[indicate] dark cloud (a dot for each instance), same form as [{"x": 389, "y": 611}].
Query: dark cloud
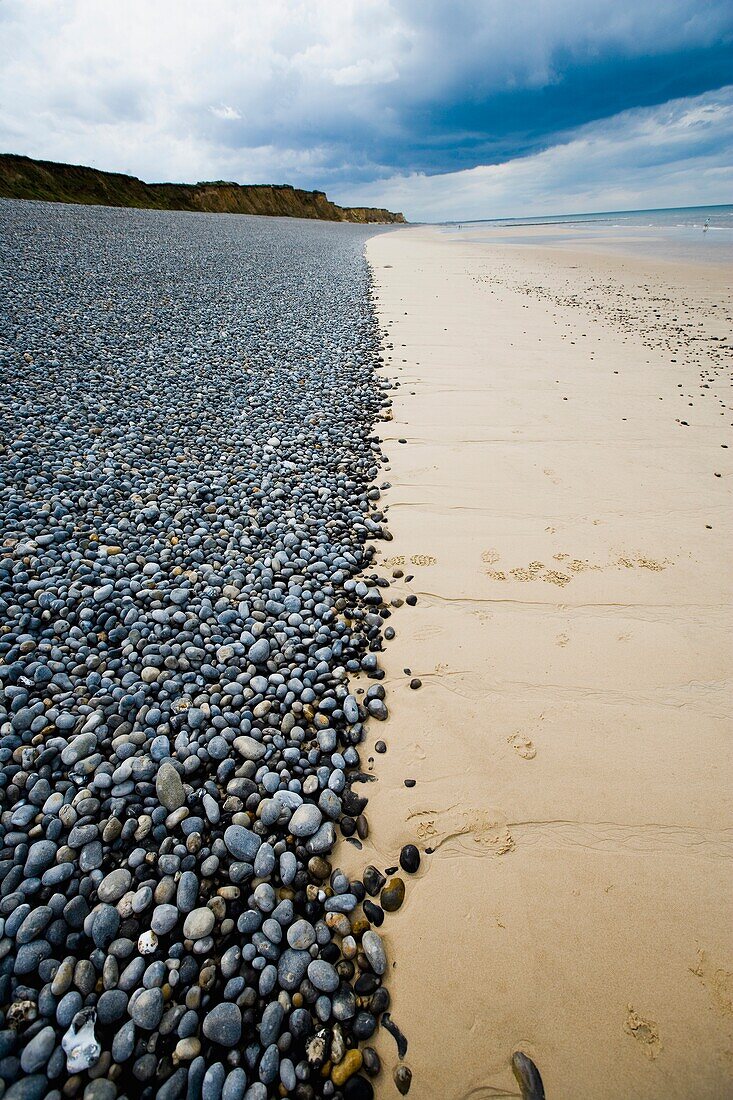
[{"x": 338, "y": 93}]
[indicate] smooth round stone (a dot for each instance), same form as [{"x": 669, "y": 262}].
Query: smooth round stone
[
  {"x": 259, "y": 652},
  {"x": 269, "y": 1065},
  {"x": 249, "y": 748},
  {"x": 187, "y": 892},
  {"x": 164, "y": 918},
  {"x": 364, "y": 1026},
  {"x": 392, "y": 895},
  {"x": 372, "y": 1062},
  {"x": 111, "y": 1006},
  {"x": 306, "y": 820},
  {"x": 358, "y": 1088},
  {"x": 410, "y": 859},
  {"x": 147, "y": 1009},
  {"x": 114, "y": 885},
  {"x": 373, "y": 880},
  {"x": 271, "y": 1023},
  {"x": 100, "y": 1089},
  {"x": 33, "y": 1087},
  {"x": 213, "y": 1082},
  {"x": 373, "y": 948},
  {"x": 403, "y": 1078},
  {"x": 291, "y": 968},
  {"x": 288, "y": 868},
  {"x": 349, "y": 1065},
  {"x": 323, "y": 976},
  {"x": 373, "y": 913},
  {"x": 242, "y": 843},
  {"x": 37, "y": 1052},
  {"x": 169, "y": 787},
  {"x": 301, "y": 935},
  {"x": 264, "y": 861},
  {"x": 199, "y": 923},
  {"x": 351, "y": 709},
  {"x": 223, "y": 1024}
]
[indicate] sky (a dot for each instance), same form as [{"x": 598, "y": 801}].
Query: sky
[{"x": 445, "y": 109}]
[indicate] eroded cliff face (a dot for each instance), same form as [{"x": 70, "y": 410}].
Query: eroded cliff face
[{"x": 24, "y": 178}]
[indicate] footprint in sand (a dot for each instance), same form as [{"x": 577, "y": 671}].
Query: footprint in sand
[
  {"x": 640, "y": 562},
  {"x": 399, "y": 559},
  {"x": 552, "y": 576},
  {"x": 562, "y": 639},
  {"x": 522, "y": 746},
  {"x": 481, "y": 832},
  {"x": 717, "y": 981},
  {"x": 644, "y": 1031},
  {"x": 490, "y": 557},
  {"x": 423, "y": 559}
]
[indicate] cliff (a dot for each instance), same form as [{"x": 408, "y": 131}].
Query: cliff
[{"x": 24, "y": 178}]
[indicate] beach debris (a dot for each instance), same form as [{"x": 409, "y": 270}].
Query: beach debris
[
  {"x": 80, "y": 1044},
  {"x": 399, "y": 1038},
  {"x": 528, "y": 1076}
]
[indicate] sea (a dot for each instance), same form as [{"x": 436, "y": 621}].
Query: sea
[{"x": 695, "y": 233}]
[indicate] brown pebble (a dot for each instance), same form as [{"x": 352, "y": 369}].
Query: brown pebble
[
  {"x": 403, "y": 1079},
  {"x": 393, "y": 895}
]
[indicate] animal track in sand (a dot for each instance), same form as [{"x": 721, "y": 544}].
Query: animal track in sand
[
  {"x": 562, "y": 639},
  {"x": 522, "y": 746},
  {"x": 490, "y": 557},
  {"x": 398, "y": 559},
  {"x": 423, "y": 559},
  {"x": 481, "y": 832},
  {"x": 644, "y": 1031}
]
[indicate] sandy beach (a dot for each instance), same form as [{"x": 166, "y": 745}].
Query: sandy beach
[{"x": 560, "y": 505}]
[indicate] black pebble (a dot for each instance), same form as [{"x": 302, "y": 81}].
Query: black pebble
[
  {"x": 373, "y": 913},
  {"x": 410, "y": 859}
]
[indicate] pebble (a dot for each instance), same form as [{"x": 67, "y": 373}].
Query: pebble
[
  {"x": 223, "y": 1024},
  {"x": 169, "y": 787},
  {"x": 409, "y": 859},
  {"x": 403, "y": 1079},
  {"x": 188, "y": 593},
  {"x": 373, "y": 947},
  {"x": 373, "y": 880},
  {"x": 392, "y": 895}
]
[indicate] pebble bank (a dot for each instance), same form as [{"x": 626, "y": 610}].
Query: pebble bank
[{"x": 189, "y": 649}]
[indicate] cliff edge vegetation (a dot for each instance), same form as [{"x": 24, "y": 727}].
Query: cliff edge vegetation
[{"x": 45, "y": 180}]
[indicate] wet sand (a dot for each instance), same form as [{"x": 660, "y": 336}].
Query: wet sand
[{"x": 563, "y": 502}]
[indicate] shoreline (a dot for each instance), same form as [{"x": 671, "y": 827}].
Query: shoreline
[{"x": 557, "y": 504}]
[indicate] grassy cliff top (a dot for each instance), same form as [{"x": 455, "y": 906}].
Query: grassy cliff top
[{"x": 45, "y": 180}]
